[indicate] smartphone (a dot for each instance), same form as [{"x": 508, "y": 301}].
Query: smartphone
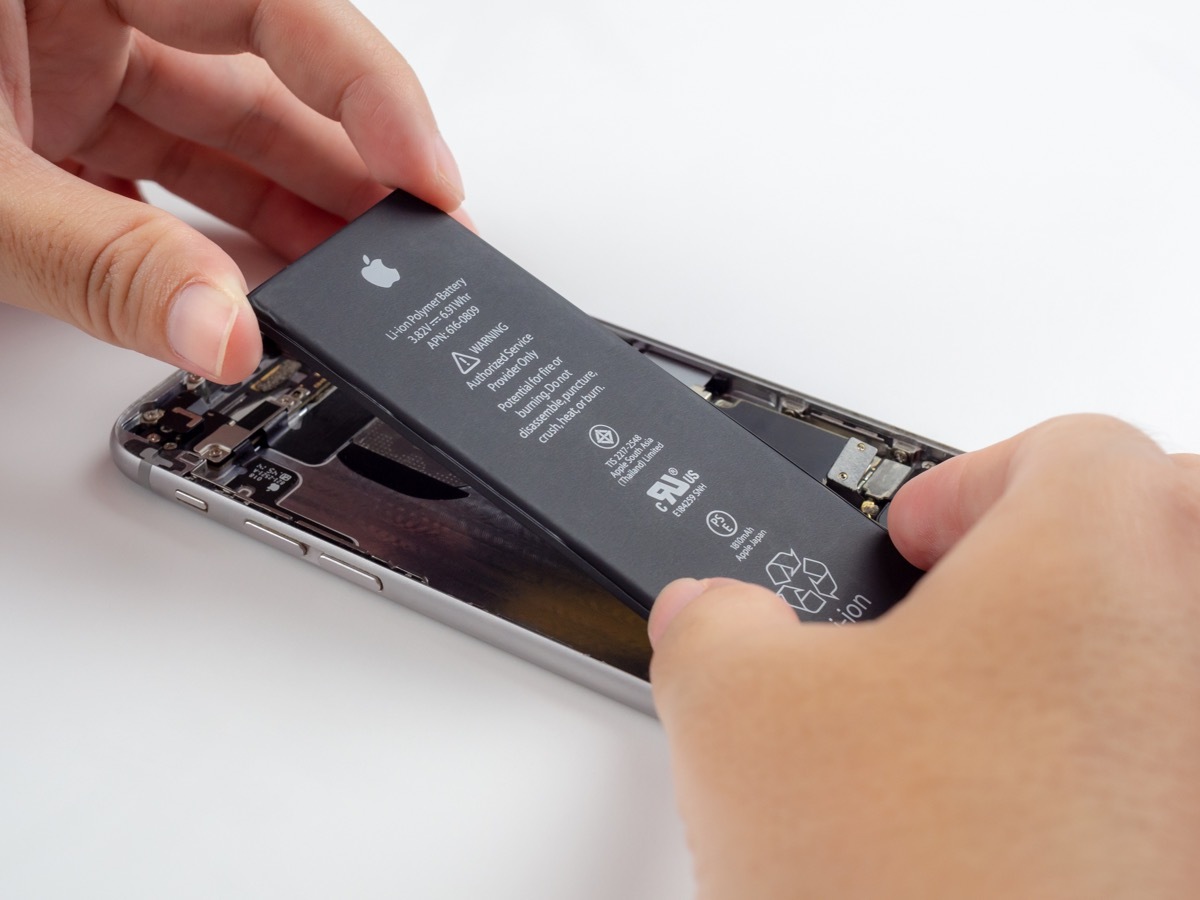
[{"x": 288, "y": 460}]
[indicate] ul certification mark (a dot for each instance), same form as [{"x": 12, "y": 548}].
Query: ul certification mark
[
  {"x": 604, "y": 436},
  {"x": 721, "y": 523},
  {"x": 804, "y": 583}
]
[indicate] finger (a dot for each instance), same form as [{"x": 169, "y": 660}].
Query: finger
[
  {"x": 16, "y": 108},
  {"x": 695, "y": 626},
  {"x": 334, "y": 60},
  {"x": 1189, "y": 462},
  {"x": 130, "y": 148},
  {"x": 930, "y": 513},
  {"x": 121, "y": 270},
  {"x": 933, "y": 512},
  {"x": 237, "y": 105},
  {"x": 463, "y": 218},
  {"x": 734, "y": 673}
]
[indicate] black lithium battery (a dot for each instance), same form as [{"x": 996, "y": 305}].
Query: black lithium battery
[{"x": 563, "y": 424}]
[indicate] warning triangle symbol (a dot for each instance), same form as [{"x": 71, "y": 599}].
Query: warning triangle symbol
[{"x": 464, "y": 362}]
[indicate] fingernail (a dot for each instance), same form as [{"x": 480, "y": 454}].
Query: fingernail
[
  {"x": 447, "y": 168},
  {"x": 199, "y": 325},
  {"x": 671, "y": 601}
]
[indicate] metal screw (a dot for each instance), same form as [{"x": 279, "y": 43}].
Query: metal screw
[
  {"x": 861, "y": 446},
  {"x": 927, "y": 465},
  {"x": 153, "y": 438},
  {"x": 151, "y": 416},
  {"x": 843, "y": 476},
  {"x": 901, "y": 456}
]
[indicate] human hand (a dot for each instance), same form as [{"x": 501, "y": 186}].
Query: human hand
[
  {"x": 1025, "y": 724},
  {"x": 299, "y": 131}
]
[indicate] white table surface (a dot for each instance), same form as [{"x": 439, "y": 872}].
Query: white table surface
[{"x": 961, "y": 218}]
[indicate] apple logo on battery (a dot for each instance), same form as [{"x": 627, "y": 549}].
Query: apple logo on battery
[{"x": 378, "y": 274}]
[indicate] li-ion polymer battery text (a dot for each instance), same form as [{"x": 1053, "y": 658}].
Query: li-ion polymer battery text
[{"x": 563, "y": 424}]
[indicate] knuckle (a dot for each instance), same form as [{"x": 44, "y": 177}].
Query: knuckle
[
  {"x": 1079, "y": 454},
  {"x": 177, "y": 161},
  {"x": 1091, "y": 427},
  {"x": 354, "y": 93},
  {"x": 1184, "y": 493},
  {"x": 261, "y": 206},
  {"x": 257, "y": 129},
  {"x": 259, "y": 24}
]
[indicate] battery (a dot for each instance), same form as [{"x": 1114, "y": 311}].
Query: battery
[{"x": 563, "y": 424}]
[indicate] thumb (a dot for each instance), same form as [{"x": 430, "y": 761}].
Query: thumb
[
  {"x": 702, "y": 633},
  {"x": 935, "y": 511},
  {"x": 734, "y": 673},
  {"x": 121, "y": 271}
]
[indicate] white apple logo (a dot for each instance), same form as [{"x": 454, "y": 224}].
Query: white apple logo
[{"x": 378, "y": 274}]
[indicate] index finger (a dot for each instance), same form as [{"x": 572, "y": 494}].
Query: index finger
[
  {"x": 331, "y": 57},
  {"x": 16, "y": 110},
  {"x": 934, "y": 511}
]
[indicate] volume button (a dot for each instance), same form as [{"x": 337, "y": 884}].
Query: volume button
[
  {"x": 350, "y": 573},
  {"x": 273, "y": 538}
]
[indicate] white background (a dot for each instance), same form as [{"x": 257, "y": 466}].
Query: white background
[{"x": 960, "y": 218}]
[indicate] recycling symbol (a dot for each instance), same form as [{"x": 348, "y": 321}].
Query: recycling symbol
[{"x": 804, "y": 583}]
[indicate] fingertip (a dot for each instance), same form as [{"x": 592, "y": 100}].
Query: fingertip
[
  {"x": 709, "y": 607},
  {"x": 703, "y": 630},
  {"x": 446, "y": 168},
  {"x": 931, "y": 513},
  {"x": 463, "y": 218},
  {"x": 244, "y": 351},
  {"x": 431, "y": 174},
  {"x": 671, "y": 601},
  {"x": 213, "y": 332},
  {"x": 913, "y": 517}
]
